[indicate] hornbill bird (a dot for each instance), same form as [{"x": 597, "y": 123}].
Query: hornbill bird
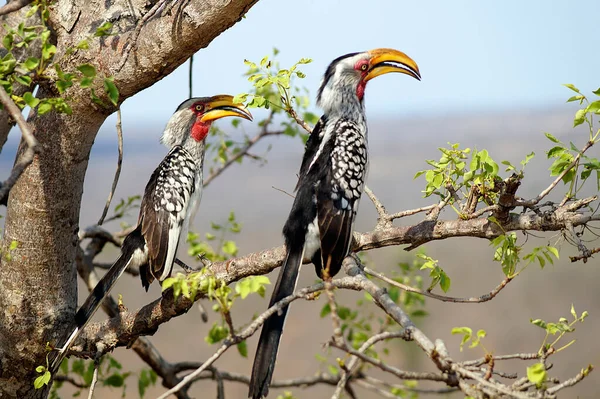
[
  {"x": 170, "y": 201},
  {"x": 330, "y": 184}
]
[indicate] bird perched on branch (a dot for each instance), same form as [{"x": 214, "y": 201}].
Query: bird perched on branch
[
  {"x": 170, "y": 201},
  {"x": 330, "y": 184}
]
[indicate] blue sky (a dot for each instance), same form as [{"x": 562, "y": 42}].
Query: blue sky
[{"x": 474, "y": 56}]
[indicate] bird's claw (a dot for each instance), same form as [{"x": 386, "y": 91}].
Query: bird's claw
[
  {"x": 205, "y": 261},
  {"x": 185, "y": 267}
]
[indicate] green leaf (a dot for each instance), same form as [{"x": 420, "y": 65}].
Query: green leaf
[
  {"x": 579, "y": 117},
  {"x": 23, "y": 79},
  {"x": 111, "y": 90},
  {"x": 242, "y": 348},
  {"x": 48, "y": 51},
  {"x": 572, "y": 87},
  {"x": 31, "y": 63},
  {"x": 83, "y": 45},
  {"x": 528, "y": 158},
  {"x": 466, "y": 332},
  {"x": 42, "y": 380},
  {"x": 593, "y": 107},
  {"x": 104, "y": 29},
  {"x": 573, "y": 312},
  {"x": 115, "y": 380},
  {"x": 578, "y": 97},
  {"x": 536, "y": 374},
  {"x": 8, "y": 41},
  {"x": 444, "y": 281},
  {"x": 44, "y": 107},
  {"x": 230, "y": 248},
  {"x": 216, "y": 334},
  {"x": 552, "y": 138},
  {"x": 539, "y": 322},
  {"x": 556, "y": 151},
  {"x": 63, "y": 85},
  {"x": 30, "y": 100},
  {"x": 87, "y": 70},
  {"x": 87, "y": 82},
  {"x": 554, "y": 251},
  {"x": 325, "y": 310}
]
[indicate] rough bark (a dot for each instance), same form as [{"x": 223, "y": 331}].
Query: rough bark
[{"x": 38, "y": 290}]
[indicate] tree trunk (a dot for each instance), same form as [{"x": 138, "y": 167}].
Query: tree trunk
[{"x": 38, "y": 290}]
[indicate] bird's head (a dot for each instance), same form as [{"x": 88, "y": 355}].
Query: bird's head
[
  {"x": 193, "y": 118},
  {"x": 347, "y": 76}
]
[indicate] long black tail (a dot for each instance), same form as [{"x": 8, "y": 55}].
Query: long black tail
[
  {"x": 93, "y": 301},
  {"x": 268, "y": 344}
]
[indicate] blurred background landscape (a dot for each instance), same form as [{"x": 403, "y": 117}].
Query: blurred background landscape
[{"x": 492, "y": 75}]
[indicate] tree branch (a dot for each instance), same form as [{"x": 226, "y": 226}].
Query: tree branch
[
  {"x": 483, "y": 298},
  {"x": 13, "y": 6},
  {"x": 32, "y": 144}
]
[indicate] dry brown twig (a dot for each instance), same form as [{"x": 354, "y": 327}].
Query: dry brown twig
[
  {"x": 118, "y": 171},
  {"x": 28, "y": 138},
  {"x": 482, "y": 298},
  {"x": 94, "y": 380},
  {"x": 264, "y": 132}
]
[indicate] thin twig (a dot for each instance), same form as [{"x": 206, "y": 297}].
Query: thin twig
[
  {"x": 283, "y": 191},
  {"x": 572, "y": 381},
  {"x": 13, "y": 6},
  {"x": 483, "y": 298},
  {"x": 244, "y": 150},
  {"x": 475, "y": 215},
  {"x": 484, "y": 360},
  {"x": 70, "y": 380},
  {"x": 378, "y": 205},
  {"x": 191, "y": 76},
  {"x": 495, "y": 387},
  {"x": 118, "y": 171},
  {"x": 378, "y": 390},
  {"x": 585, "y": 257},
  {"x": 438, "y": 391},
  {"x": 94, "y": 380},
  {"x": 299, "y": 120},
  {"x": 411, "y": 212},
  {"x": 335, "y": 318},
  {"x": 350, "y": 366},
  {"x": 548, "y": 189},
  {"x": 32, "y": 144},
  {"x": 405, "y": 375}
]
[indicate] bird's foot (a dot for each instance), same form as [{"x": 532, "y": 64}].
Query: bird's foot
[
  {"x": 205, "y": 261},
  {"x": 185, "y": 267}
]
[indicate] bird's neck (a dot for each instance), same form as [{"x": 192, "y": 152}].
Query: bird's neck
[
  {"x": 343, "y": 102},
  {"x": 195, "y": 149}
]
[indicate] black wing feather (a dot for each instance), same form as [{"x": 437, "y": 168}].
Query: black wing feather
[
  {"x": 311, "y": 148},
  {"x": 335, "y": 228}
]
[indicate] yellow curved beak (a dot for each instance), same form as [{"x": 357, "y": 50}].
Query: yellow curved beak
[
  {"x": 222, "y": 106},
  {"x": 387, "y": 60}
]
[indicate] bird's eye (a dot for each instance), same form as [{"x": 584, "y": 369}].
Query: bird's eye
[
  {"x": 363, "y": 67},
  {"x": 199, "y": 107}
]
